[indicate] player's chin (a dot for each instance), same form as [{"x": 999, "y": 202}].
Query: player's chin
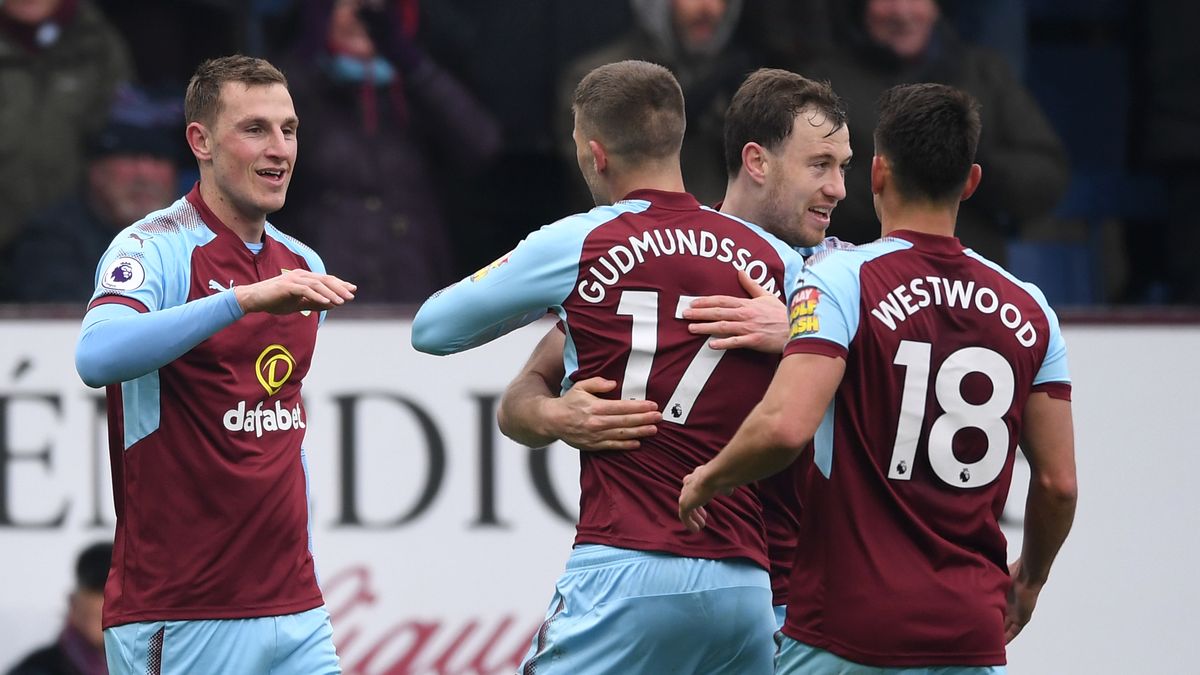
[{"x": 272, "y": 202}]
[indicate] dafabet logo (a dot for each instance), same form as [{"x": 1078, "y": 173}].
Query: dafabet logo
[{"x": 273, "y": 368}]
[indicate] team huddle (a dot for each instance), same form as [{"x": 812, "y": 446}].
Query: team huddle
[{"x": 795, "y": 451}]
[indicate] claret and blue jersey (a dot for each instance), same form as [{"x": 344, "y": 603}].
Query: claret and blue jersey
[
  {"x": 915, "y": 454},
  {"x": 619, "y": 277},
  {"x": 209, "y": 482}
]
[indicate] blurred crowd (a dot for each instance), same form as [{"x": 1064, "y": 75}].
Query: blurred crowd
[{"x": 435, "y": 135}]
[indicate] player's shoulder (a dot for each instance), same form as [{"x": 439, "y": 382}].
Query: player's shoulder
[
  {"x": 297, "y": 247},
  {"x": 576, "y": 227},
  {"x": 834, "y": 255},
  {"x": 161, "y": 236},
  {"x": 179, "y": 221},
  {"x": 787, "y": 253},
  {"x": 997, "y": 271},
  {"x": 598, "y": 215}
]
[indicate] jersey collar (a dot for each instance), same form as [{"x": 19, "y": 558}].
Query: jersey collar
[
  {"x": 218, "y": 226},
  {"x": 930, "y": 243},
  {"x": 672, "y": 201}
]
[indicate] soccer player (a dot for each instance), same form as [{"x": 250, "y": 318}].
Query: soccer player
[
  {"x": 918, "y": 365},
  {"x": 787, "y": 150},
  {"x": 202, "y": 327},
  {"x": 640, "y": 593}
]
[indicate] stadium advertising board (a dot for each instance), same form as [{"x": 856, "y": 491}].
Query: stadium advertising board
[{"x": 438, "y": 540}]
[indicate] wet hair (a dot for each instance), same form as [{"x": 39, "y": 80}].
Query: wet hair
[
  {"x": 764, "y": 110},
  {"x": 634, "y": 108},
  {"x": 929, "y": 134},
  {"x": 203, "y": 99}
]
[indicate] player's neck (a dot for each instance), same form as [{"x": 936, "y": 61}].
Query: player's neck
[
  {"x": 667, "y": 179},
  {"x": 739, "y": 202},
  {"x": 929, "y": 218},
  {"x": 249, "y": 229}
]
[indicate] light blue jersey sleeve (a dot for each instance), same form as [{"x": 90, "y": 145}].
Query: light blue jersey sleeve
[
  {"x": 825, "y": 304},
  {"x": 534, "y": 278},
  {"x": 118, "y": 343},
  {"x": 1054, "y": 366},
  {"x": 103, "y": 355}
]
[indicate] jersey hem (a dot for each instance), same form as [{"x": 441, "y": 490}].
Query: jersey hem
[
  {"x": 1058, "y": 390},
  {"x": 815, "y": 346},
  {"x": 894, "y": 661},
  {"x": 683, "y": 551},
  {"x": 207, "y": 613},
  {"x": 114, "y": 299}
]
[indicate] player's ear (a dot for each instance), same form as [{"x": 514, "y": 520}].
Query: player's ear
[
  {"x": 755, "y": 161},
  {"x": 880, "y": 173},
  {"x": 599, "y": 156},
  {"x": 973, "y": 178},
  {"x": 199, "y": 140}
]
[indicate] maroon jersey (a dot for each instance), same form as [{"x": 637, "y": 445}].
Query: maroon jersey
[
  {"x": 632, "y": 332},
  {"x": 781, "y": 497},
  {"x": 619, "y": 277},
  {"x": 902, "y": 561},
  {"x": 208, "y": 481}
]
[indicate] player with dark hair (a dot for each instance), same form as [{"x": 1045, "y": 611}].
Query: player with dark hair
[
  {"x": 787, "y": 149},
  {"x": 640, "y": 593},
  {"x": 202, "y": 327},
  {"x": 917, "y": 365}
]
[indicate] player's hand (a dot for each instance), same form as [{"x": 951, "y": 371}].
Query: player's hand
[
  {"x": 585, "y": 421},
  {"x": 696, "y": 493},
  {"x": 294, "y": 291},
  {"x": 759, "y": 322},
  {"x": 1022, "y": 597}
]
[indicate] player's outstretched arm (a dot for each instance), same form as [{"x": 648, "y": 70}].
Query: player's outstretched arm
[
  {"x": 295, "y": 291},
  {"x": 771, "y": 437},
  {"x": 758, "y": 322},
  {"x": 102, "y": 356},
  {"x": 531, "y": 414},
  {"x": 1048, "y": 441}
]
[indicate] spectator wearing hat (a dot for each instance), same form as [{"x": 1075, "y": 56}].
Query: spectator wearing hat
[
  {"x": 130, "y": 171},
  {"x": 79, "y": 649}
]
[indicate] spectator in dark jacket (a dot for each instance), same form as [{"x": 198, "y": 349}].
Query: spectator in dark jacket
[
  {"x": 130, "y": 172},
  {"x": 887, "y": 42},
  {"x": 79, "y": 649},
  {"x": 60, "y": 62},
  {"x": 697, "y": 40},
  {"x": 383, "y": 129}
]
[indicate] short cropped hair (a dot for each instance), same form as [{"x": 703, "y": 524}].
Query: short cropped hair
[
  {"x": 764, "y": 109},
  {"x": 91, "y": 568},
  {"x": 203, "y": 99},
  {"x": 929, "y": 134},
  {"x": 635, "y": 108}
]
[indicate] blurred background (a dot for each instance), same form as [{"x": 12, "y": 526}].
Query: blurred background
[{"x": 431, "y": 153}]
